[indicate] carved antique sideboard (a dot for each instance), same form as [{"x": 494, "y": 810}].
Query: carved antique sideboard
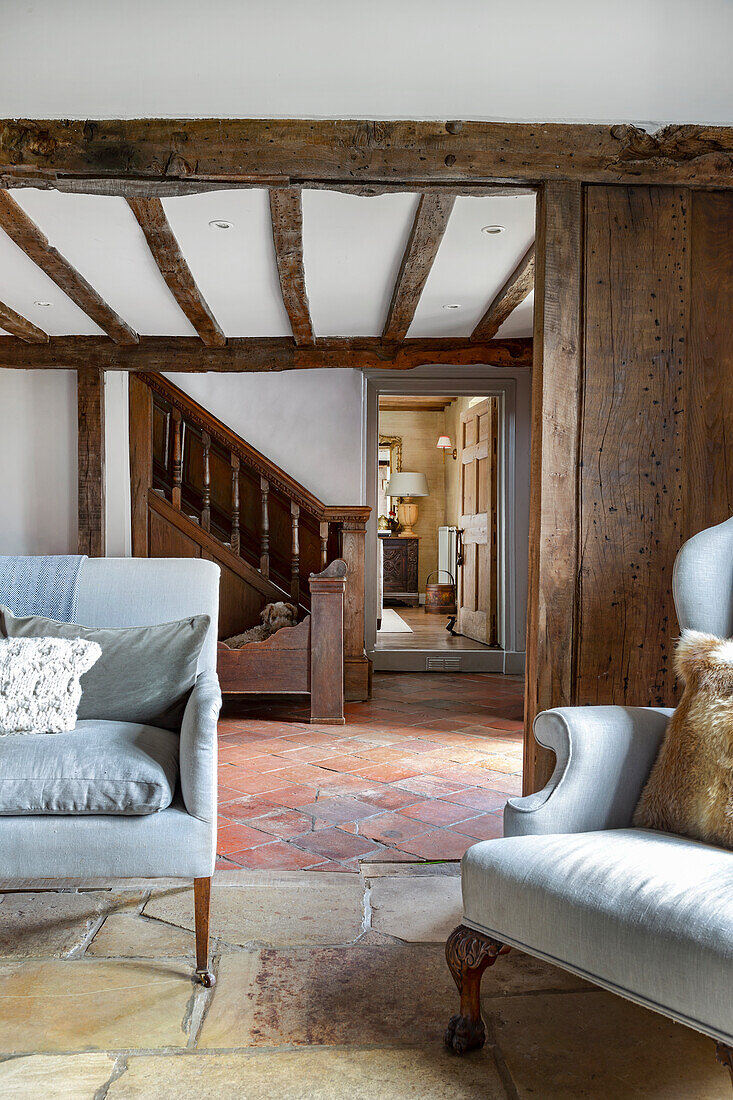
[{"x": 399, "y": 569}]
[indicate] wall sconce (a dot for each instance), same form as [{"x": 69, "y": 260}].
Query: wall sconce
[{"x": 444, "y": 444}]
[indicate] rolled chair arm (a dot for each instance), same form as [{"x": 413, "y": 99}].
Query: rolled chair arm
[
  {"x": 198, "y": 747},
  {"x": 604, "y": 756}
]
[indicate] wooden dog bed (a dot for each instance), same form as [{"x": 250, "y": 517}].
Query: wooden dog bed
[{"x": 306, "y": 658}]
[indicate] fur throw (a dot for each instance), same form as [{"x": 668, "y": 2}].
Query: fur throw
[
  {"x": 690, "y": 788},
  {"x": 39, "y": 682},
  {"x": 274, "y": 617}
]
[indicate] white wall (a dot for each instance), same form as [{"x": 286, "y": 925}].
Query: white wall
[
  {"x": 38, "y": 462},
  {"x": 664, "y": 60},
  {"x": 308, "y": 422},
  {"x": 117, "y": 479}
]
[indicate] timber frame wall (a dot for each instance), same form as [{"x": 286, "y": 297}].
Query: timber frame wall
[{"x": 633, "y": 349}]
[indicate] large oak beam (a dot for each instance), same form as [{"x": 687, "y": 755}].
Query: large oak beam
[
  {"x": 427, "y": 232},
  {"x": 21, "y": 327},
  {"x": 92, "y": 513},
  {"x": 269, "y": 152},
  {"x": 286, "y": 210},
  {"x": 514, "y": 291},
  {"x": 174, "y": 269},
  {"x": 186, "y": 353},
  {"x": 553, "y": 507},
  {"x": 26, "y": 234}
]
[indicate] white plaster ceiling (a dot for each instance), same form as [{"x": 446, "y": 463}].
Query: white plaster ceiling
[
  {"x": 636, "y": 60},
  {"x": 472, "y": 265},
  {"x": 352, "y": 250},
  {"x": 352, "y": 246}
]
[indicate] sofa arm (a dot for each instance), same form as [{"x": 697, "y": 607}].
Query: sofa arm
[
  {"x": 604, "y": 756},
  {"x": 198, "y": 747}
]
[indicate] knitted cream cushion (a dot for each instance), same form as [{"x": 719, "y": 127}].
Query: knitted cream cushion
[{"x": 39, "y": 682}]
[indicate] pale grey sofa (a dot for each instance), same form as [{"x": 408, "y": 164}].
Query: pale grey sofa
[
  {"x": 645, "y": 914},
  {"x": 179, "y": 841}
]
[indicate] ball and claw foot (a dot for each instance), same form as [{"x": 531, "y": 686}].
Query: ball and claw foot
[
  {"x": 205, "y": 978},
  {"x": 463, "y": 1034}
]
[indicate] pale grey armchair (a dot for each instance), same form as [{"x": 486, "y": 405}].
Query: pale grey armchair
[
  {"x": 647, "y": 915},
  {"x": 179, "y": 841}
]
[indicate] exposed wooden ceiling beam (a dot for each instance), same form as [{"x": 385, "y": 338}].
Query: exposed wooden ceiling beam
[
  {"x": 186, "y": 353},
  {"x": 19, "y": 326},
  {"x": 286, "y": 210},
  {"x": 430, "y": 223},
  {"x": 264, "y": 151},
  {"x": 26, "y": 234},
  {"x": 416, "y": 402},
  {"x": 514, "y": 291},
  {"x": 174, "y": 269}
]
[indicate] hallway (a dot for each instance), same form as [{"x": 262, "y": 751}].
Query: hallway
[{"x": 420, "y": 772}]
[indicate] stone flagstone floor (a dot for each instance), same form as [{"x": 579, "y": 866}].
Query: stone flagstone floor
[
  {"x": 329, "y": 987},
  {"x": 420, "y": 772}
]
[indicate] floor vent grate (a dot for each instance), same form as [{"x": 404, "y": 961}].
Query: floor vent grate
[{"x": 442, "y": 664}]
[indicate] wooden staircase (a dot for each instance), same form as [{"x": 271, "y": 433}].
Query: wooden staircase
[{"x": 199, "y": 490}]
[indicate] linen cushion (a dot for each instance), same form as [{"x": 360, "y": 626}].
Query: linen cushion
[
  {"x": 97, "y": 768},
  {"x": 39, "y": 682},
  {"x": 690, "y": 788},
  {"x": 645, "y": 914},
  {"x": 145, "y": 673}
]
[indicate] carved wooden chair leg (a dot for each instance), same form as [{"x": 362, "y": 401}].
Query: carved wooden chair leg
[
  {"x": 201, "y": 902},
  {"x": 468, "y": 953},
  {"x": 724, "y": 1055}
]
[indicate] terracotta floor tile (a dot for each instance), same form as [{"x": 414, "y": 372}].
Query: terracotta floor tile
[
  {"x": 390, "y": 773},
  {"x": 283, "y": 823},
  {"x": 276, "y": 856},
  {"x": 485, "y": 827},
  {"x": 435, "y": 811},
  {"x": 439, "y": 844},
  {"x": 426, "y": 753},
  {"x": 336, "y": 844},
  {"x": 391, "y": 828},
  {"x": 233, "y": 837},
  {"x": 339, "y": 810},
  {"x": 389, "y": 798},
  {"x": 429, "y": 786},
  {"x": 293, "y": 797},
  {"x": 478, "y": 799}
]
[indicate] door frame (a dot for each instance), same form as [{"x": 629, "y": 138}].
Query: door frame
[{"x": 466, "y": 381}]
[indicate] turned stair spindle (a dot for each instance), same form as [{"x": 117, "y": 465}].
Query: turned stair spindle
[
  {"x": 177, "y": 458},
  {"x": 235, "y": 503},
  {"x": 265, "y": 529},
  {"x": 206, "y": 495},
  {"x": 323, "y": 531},
  {"x": 295, "y": 555}
]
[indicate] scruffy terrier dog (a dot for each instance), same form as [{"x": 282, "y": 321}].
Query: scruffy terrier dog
[
  {"x": 690, "y": 788},
  {"x": 274, "y": 617}
]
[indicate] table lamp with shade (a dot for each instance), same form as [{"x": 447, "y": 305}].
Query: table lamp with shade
[{"x": 407, "y": 485}]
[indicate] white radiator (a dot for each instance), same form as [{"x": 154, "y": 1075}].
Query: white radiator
[{"x": 447, "y": 549}]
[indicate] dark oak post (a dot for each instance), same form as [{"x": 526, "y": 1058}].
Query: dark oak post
[
  {"x": 553, "y": 531},
  {"x": 202, "y": 907},
  {"x": 323, "y": 532},
  {"x": 265, "y": 529},
  {"x": 295, "y": 554},
  {"x": 206, "y": 496},
  {"x": 357, "y": 666},
  {"x": 468, "y": 953},
  {"x": 92, "y": 513},
  {"x": 177, "y": 462},
  {"x": 141, "y": 462},
  {"x": 327, "y": 644},
  {"x": 235, "y": 503}
]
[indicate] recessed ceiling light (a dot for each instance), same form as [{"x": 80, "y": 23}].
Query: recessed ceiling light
[
  {"x": 219, "y": 223},
  {"x": 451, "y": 305},
  {"x": 45, "y": 305},
  {"x": 493, "y": 229}
]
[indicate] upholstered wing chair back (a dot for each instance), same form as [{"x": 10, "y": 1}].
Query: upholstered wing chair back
[{"x": 703, "y": 581}]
